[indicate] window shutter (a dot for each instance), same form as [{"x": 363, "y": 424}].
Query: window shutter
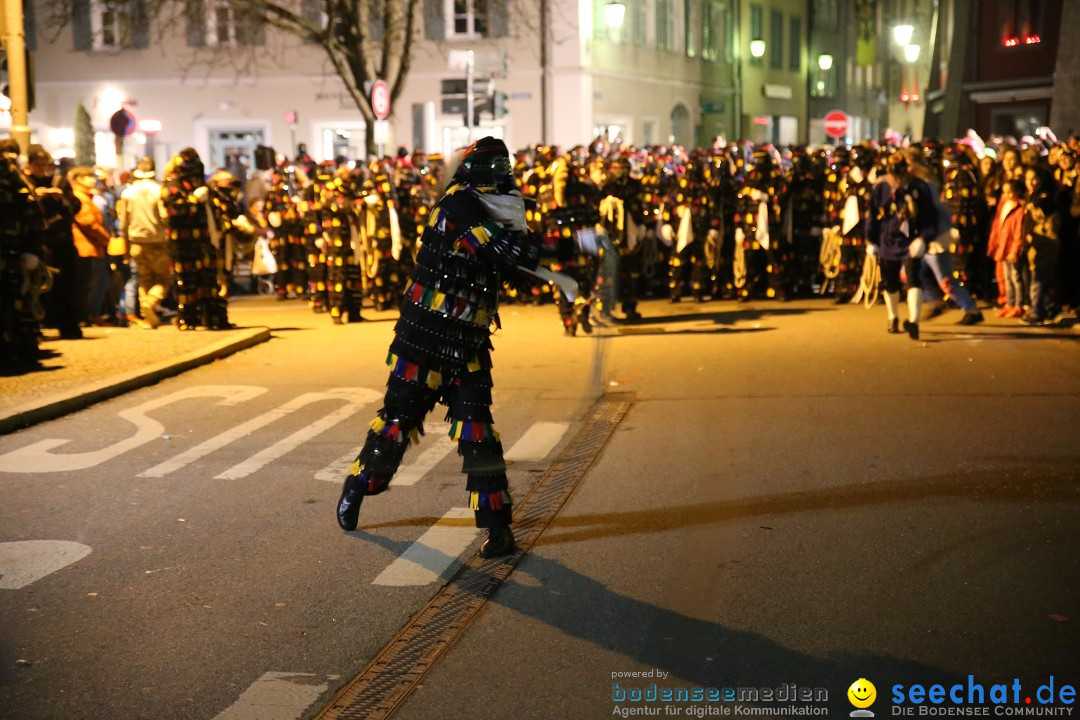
[
  {"x": 250, "y": 29},
  {"x": 434, "y": 20},
  {"x": 196, "y": 23},
  {"x": 140, "y": 25},
  {"x": 498, "y": 18},
  {"x": 80, "y": 11}
]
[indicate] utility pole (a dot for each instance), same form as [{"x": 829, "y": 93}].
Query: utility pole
[
  {"x": 470, "y": 72},
  {"x": 14, "y": 40},
  {"x": 544, "y": 71}
]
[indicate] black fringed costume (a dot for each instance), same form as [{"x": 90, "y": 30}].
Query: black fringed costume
[{"x": 441, "y": 346}]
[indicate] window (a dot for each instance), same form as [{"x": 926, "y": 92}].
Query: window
[
  {"x": 710, "y": 31},
  {"x": 220, "y": 23},
  {"x": 1020, "y": 22},
  {"x": 757, "y": 28},
  {"x": 776, "y": 39},
  {"x": 638, "y": 17},
  {"x": 107, "y": 28},
  {"x": 693, "y": 27},
  {"x": 468, "y": 18},
  {"x": 826, "y": 15},
  {"x": 795, "y": 58},
  {"x": 665, "y": 24}
]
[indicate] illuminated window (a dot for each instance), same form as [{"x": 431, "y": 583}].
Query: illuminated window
[{"x": 1020, "y": 22}]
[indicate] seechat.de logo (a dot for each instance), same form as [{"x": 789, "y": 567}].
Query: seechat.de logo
[{"x": 862, "y": 695}]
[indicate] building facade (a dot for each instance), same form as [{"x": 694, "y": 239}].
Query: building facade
[{"x": 648, "y": 71}]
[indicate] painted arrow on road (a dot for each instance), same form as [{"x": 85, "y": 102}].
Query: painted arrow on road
[{"x": 38, "y": 458}]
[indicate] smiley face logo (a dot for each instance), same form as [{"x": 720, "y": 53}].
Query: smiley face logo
[{"x": 862, "y": 693}]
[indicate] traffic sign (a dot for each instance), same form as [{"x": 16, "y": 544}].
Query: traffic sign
[
  {"x": 122, "y": 123},
  {"x": 380, "y": 100},
  {"x": 836, "y": 124}
]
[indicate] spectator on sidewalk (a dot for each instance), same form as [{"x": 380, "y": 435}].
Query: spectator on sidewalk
[
  {"x": 143, "y": 224},
  {"x": 91, "y": 241},
  {"x": 58, "y": 206},
  {"x": 1042, "y": 244},
  {"x": 1004, "y": 245}
]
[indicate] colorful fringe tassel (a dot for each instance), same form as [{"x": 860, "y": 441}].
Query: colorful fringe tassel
[
  {"x": 472, "y": 431},
  {"x": 392, "y": 430},
  {"x": 440, "y": 302},
  {"x": 496, "y": 500},
  {"x": 412, "y": 372}
]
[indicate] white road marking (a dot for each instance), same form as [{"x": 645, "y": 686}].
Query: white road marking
[
  {"x": 26, "y": 561},
  {"x": 408, "y": 474},
  {"x": 433, "y": 553},
  {"x": 37, "y": 458},
  {"x": 276, "y": 696},
  {"x": 538, "y": 441},
  {"x": 335, "y": 471},
  {"x": 357, "y": 397},
  {"x": 413, "y": 472}
]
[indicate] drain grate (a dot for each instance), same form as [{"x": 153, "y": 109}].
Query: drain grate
[{"x": 387, "y": 680}]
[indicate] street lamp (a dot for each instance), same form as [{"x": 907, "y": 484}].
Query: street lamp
[
  {"x": 615, "y": 18},
  {"x": 110, "y": 99},
  {"x": 825, "y": 61},
  {"x": 903, "y": 33},
  {"x": 757, "y": 48}
]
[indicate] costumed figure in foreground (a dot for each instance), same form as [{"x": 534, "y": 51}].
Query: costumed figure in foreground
[
  {"x": 23, "y": 274},
  {"x": 185, "y": 196},
  {"x": 475, "y": 241}
]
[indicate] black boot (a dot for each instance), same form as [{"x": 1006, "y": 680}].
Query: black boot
[
  {"x": 583, "y": 319},
  {"x": 348, "y": 508},
  {"x": 912, "y": 329},
  {"x": 500, "y": 542},
  {"x": 893, "y": 327}
]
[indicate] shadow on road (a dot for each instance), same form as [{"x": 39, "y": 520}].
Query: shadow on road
[
  {"x": 693, "y": 651},
  {"x": 1025, "y": 484}
]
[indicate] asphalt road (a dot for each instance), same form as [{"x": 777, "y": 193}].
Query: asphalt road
[{"x": 794, "y": 497}]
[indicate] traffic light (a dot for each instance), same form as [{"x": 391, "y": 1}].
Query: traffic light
[{"x": 498, "y": 104}]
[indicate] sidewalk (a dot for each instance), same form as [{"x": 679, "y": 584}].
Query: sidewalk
[{"x": 107, "y": 362}]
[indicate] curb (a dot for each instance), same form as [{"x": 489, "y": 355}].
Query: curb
[{"x": 61, "y": 404}]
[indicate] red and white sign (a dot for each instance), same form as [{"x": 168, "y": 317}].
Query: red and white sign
[
  {"x": 380, "y": 100},
  {"x": 836, "y": 124}
]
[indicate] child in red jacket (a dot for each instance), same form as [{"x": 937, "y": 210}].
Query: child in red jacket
[{"x": 1006, "y": 241}]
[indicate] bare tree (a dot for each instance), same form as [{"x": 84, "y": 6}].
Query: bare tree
[{"x": 364, "y": 40}]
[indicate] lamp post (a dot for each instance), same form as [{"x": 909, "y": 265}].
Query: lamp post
[
  {"x": 14, "y": 41},
  {"x": 907, "y": 57}
]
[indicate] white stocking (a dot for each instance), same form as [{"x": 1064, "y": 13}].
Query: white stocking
[
  {"x": 914, "y": 304},
  {"x": 892, "y": 304}
]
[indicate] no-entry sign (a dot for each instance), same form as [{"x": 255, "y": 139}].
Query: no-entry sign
[
  {"x": 380, "y": 100},
  {"x": 836, "y": 124}
]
